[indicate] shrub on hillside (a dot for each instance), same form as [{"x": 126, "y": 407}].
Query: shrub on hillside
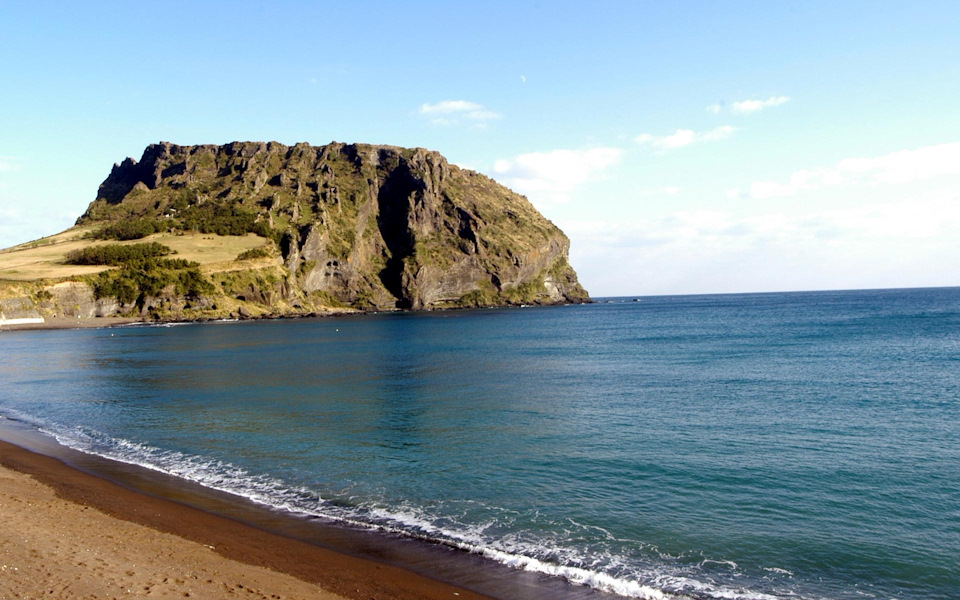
[
  {"x": 130, "y": 230},
  {"x": 252, "y": 253},
  {"x": 217, "y": 219},
  {"x": 116, "y": 254},
  {"x": 136, "y": 280}
]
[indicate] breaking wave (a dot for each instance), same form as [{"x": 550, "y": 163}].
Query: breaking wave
[{"x": 519, "y": 550}]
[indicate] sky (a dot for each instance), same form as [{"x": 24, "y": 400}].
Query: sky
[{"x": 684, "y": 147}]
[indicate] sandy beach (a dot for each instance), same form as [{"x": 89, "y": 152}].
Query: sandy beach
[
  {"x": 73, "y": 323},
  {"x": 67, "y": 534}
]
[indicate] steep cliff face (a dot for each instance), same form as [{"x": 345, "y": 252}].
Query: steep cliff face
[{"x": 367, "y": 226}]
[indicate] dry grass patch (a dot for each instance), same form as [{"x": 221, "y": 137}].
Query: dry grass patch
[
  {"x": 238, "y": 265},
  {"x": 206, "y": 248},
  {"x": 45, "y": 258}
]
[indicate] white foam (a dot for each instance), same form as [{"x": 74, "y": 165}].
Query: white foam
[
  {"x": 724, "y": 563},
  {"x": 519, "y": 550}
]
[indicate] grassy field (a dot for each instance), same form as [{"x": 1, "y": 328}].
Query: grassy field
[{"x": 44, "y": 258}]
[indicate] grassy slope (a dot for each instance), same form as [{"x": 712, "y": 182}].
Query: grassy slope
[{"x": 44, "y": 258}]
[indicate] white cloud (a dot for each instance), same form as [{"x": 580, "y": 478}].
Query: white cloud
[
  {"x": 746, "y": 107},
  {"x": 905, "y": 166},
  {"x": 684, "y": 137},
  {"x": 905, "y": 220},
  {"x": 550, "y": 177},
  {"x": 906, "y": 242},
  {"x": 452, "y": 112}
]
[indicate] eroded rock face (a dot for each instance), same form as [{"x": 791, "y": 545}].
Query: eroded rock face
[
  {"x": 367, "y": 225},
  {"x": 72, "y": 299},
  {"x": 76, "y": 299},
  {"x": 18, "y": 310}
]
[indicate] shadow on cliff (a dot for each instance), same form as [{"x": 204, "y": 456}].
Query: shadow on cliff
[{"x": 395, "y": 199}]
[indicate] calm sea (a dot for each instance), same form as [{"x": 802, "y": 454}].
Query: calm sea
[{"x": 802, "y": 445}]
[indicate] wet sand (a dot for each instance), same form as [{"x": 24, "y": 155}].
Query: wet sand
[{"x": 67, "y": 534}]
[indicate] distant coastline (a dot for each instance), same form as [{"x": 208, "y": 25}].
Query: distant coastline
[{"x": 49, "y": 323}]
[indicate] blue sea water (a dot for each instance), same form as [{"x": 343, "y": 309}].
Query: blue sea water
[{"x": 798, "y": 445}]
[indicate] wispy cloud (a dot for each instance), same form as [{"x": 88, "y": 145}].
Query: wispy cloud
[
  {"x": 750, "y": 106},
  {"x": 452, "y": 112},
  {"x": 912, "y": 219},
  {"x": 684, "y": 137},
  {"x": 551, "y": 177},
  {"x": 746, "y": 107},
  {"x": 910, "y": 241},
  {"x": 9, "y": 163},
  {"x": 905, "y": 166}
]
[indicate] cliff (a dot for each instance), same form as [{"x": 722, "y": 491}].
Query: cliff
[{"x": 348, "y": 226}]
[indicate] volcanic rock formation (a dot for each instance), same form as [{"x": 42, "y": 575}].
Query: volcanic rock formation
[{"x": 361, "y": 225}]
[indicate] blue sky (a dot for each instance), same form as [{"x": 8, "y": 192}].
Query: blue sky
[{"x": 685, "y": 147}]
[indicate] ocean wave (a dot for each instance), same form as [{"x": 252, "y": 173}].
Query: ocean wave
[{"x": 518, "y": 550}]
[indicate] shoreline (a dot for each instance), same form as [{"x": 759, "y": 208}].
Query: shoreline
[
  {"x": 225, "y": 538},
  {"x": 66, "y": 323},
  {"x": 72, "y": 323}
]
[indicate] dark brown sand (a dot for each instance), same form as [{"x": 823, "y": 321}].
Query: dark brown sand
[{"x": 68, "y": 534}]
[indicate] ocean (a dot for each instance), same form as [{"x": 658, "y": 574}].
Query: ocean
[{"x": 747, "y": 446}]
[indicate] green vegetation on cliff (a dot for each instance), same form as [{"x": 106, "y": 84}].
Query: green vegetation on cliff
[
  {"x": 133, "y": 229},
  {"x": 139, "y": 279},
  {"x": 253, "y": 253}
]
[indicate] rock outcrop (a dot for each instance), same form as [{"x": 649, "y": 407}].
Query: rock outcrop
[
  {"x": 361, "y": 225},
  {"x": 18, "y": 311}
]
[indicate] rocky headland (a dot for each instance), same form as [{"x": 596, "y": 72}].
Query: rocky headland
[{"x": 340, "y": 227}]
